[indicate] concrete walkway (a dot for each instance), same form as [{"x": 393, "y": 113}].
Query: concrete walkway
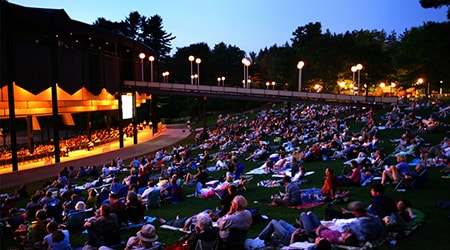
[{"x": 44, "y": 169}]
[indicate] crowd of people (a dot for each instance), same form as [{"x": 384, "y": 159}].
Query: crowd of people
[
  {"x": 313, "y": 133},
  {"x": 66, "y": 145}
]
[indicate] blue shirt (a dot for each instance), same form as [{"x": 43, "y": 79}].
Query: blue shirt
[
  {"x": 403, "y": 168},
  {"x": 61, "y": 245},
  {"x": 293, "y": 194},
  {"x": 367, "y": 228}
]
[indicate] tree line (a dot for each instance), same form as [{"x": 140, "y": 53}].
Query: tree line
[{"x": 420, "y": 52}]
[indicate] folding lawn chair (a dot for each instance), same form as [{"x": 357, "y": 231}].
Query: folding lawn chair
[{"x": 414, "y": 182}]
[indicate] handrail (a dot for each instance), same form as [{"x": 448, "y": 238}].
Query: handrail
[{"x": 237, "y": 91}]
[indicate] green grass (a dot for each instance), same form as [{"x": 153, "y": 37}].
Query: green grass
[{"x": 433, "y": 234}]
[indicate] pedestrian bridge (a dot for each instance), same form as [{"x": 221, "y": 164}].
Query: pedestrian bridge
[{"x": 255, "y": 94}]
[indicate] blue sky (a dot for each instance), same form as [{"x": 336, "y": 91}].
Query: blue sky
[{"x": 251, "y": 25}]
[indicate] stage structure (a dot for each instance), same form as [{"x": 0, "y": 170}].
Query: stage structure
[{"x": 54, "y": 66}]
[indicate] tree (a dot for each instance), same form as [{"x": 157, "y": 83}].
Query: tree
[
  {"x": 132, "y": 26},
  {"x": 156, "y": 37},
  {"x": 148, "y": 31},
  {"x": 307, "y": 33},
  {"x": 436, "y": 4},
  {"x": 226, "y": 61},
  {"x": 116, "y": 27},
  {"x": 421, "y": 53}
]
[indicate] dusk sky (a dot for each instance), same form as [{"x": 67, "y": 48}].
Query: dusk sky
[{"x": 251, "y": 25}]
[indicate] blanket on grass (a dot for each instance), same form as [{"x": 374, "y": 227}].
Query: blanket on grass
[
  {"x": 129, "y": 225},
  {"x": 302, "y": 206}
]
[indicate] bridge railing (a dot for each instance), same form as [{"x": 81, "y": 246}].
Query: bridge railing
[{"x": 177, "y": 87}]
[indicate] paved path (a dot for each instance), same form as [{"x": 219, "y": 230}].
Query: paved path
[{"x": 41, "y": 170}]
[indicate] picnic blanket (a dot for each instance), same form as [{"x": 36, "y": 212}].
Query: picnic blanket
[
  {"x": 259, "y": 170},
  {"x": 147, "y": 219},
  {"x": 302, "y": 206},
  {"x": 311, "y": 197}
]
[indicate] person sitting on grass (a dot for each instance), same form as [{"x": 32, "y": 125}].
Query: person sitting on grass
[
  {"x": 204, "y": 231},
  {"x": 146, "y": 238},
  {"x": 238, "y": 219},
  {"x": 56, "y": 238},
  {"x": 355, "y": 178},
  {"x": 199, "y": 178},
  {"x": 151, "y": 187},
  {"x": 103, "y": 230},
  {"x": 226, "y": 200},
  {"x": 330, "y": 185},
  {"x": 395, "y": 172},
  {"x": 293, "y": 195},
  {"x": 382, "y": 204}
]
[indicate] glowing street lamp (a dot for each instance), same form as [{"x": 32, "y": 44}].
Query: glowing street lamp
[
  {"x": 151, "y": 59},
  {"x": 359, "y": 67},
  {"x": 317, "y": 87},
  {"x": 165, "y": 76},
  {"x": 353, "y": 71},
  {"x": 300, "y": 65},
  {"x": 391, "y": 87},
  {"x": 273, "y": 85},
  {"x": 195, "y": 77},
  {"x": 246, "y": 62},
  {"x": 219, "y": 79},
  {"x": 191, "y": 59},
  {"x": 198, "y": 61},
  {"x": 142, "y": 56},
  {"x": 341, "y": 86},
  {"x": 420, "y": 82},
  {"x": 267, "y": 84}
]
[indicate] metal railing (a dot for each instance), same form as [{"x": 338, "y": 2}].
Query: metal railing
[{"x": 257, "y": 93}]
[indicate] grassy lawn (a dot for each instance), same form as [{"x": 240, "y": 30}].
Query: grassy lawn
[{"x": 432, "y": 234}]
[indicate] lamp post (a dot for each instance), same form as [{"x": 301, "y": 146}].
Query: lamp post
[
  {"x": 391, "y": 87},
  {"x": 267, "y": 84},
  {"x": 300, "y": 65},
  {"x": 382, "y": 86},
  {"x": 191, "y": 59},
  {"x": 246, "y": 62},
  {"x": 151, "y": 59},
  {"x": 221, "y": 79},
  {"x": 273, "y": 85},
  {"x": 195, "y": 77},
  {"x": 353, "y": 71},
  {"x": 198, "y": 61},
  {"x": 420, "y": 81},
  {"x": 142, "y": 56},
  {"x": 341, "y": 87},
  {"x": 359, "y": 68},
  {"x": 317, "y": 88},
  {"x": 165, "y": 76}
]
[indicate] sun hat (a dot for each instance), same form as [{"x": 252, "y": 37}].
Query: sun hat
[{"x": 147, "y": 233}]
